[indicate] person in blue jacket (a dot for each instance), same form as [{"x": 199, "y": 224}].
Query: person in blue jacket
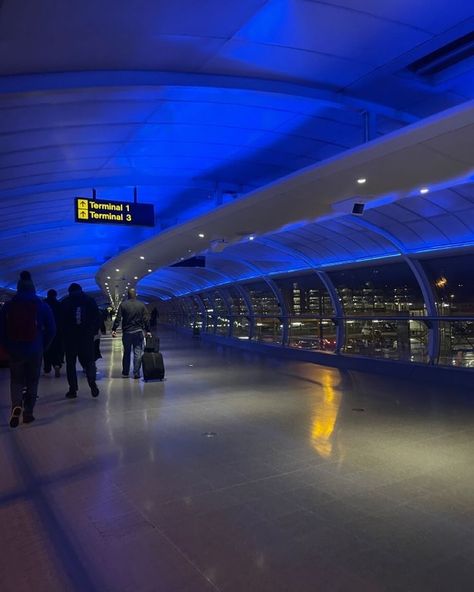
[{"x": 27, "y": 328}]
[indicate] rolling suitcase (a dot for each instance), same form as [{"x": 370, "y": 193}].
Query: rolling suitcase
[
  {"x": 152, "y": 344},
  {"x": 153, "y": 366}
]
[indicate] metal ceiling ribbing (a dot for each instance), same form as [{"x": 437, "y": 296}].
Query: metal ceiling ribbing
[{"x": 416, "y": 224}]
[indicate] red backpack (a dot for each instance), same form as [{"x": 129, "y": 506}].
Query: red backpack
[{"x": 22, "y": 321}]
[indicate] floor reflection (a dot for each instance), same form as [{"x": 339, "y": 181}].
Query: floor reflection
[{"x": 325, "y": 409}]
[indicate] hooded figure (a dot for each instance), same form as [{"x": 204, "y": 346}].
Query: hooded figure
[
  {"x": 27, "y": 328},
  {"x": 80, "y": 321},
  {"x": 54, "y": 355}
]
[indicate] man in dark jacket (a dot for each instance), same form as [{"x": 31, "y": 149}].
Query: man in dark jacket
[
  {"x": 27, "y": 328},
  {"x": 54, "y": 355},
  {"x": 134, "y": 318},
  {"x": 80, "y": 321}
]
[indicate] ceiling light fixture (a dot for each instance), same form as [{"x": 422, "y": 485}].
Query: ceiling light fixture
[
  {"x": 251, "y": 237},
  {"x": 135, "y": 277},
  {"x": 117, "y": 270},
  {"x": 149, "y": 271},
  {"x": 361, "y": 181},
  {"x": 142, "y": 257},
  {"x": 201, "y": 235},
  {"x": 424, "y": 190}
]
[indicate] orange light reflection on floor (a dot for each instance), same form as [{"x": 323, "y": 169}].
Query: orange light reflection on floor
[{"x": 325, "y": 411}]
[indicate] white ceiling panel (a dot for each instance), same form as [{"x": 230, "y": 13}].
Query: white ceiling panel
[
  {"x": 250, "y": 58},
  {"x": 331, "y": 30},
  {"x": 414, "y": 13}
]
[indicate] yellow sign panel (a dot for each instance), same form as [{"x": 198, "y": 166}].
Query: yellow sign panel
[{"x": 114, "y": 212}]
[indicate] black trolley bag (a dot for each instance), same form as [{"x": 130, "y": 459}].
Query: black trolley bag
[{"x": 152, "y": 361}]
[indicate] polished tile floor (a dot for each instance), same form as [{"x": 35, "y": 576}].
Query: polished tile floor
[{"x": 239, "y": 473}]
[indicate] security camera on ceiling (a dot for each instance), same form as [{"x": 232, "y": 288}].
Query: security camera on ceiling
[{"x": 358, "y": 208}]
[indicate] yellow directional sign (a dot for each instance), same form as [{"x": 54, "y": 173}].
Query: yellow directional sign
[{"x": 98, "y": 211}]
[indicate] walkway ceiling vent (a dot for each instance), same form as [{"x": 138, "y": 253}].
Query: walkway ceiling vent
[
  {"x": 358, "y": 208},
  {"x": 198, "y": 261},
  {"x": 450, "y": 60},
  {"x": 352, "y": 205}
]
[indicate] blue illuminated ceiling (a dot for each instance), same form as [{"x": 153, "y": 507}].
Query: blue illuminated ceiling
[{"x": 196, "y": 105}]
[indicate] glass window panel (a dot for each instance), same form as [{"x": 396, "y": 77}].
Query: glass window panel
[
  {"x": 312, "y": 333},
  {"x": 457, "y": 343},
  {"x": 395, "y": 340},
  {"x": 240, "y": 327},
  {"x": 452, "y": 279},
  {"x": 209, "y": 307},
  {"x": 221, "y": 314},
  {"x": 237, "y": 302},
  {"x": 389, "y": 289},
  {"x": 199, "y": 317},
  {"x": 220, "y": 306},
  {"x": 268, "y": 329},
  {"x": 263, "y": 299},
  {"x": 305, "y": 295},
  {"x": 186, "y": 313}
]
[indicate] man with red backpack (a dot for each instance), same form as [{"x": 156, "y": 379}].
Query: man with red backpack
[{"x": 27, "y": 328}]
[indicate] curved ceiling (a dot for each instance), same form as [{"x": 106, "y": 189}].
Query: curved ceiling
[{"x": 196, "y": 107}]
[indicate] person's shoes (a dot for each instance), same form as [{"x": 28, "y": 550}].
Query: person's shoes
[
  {"x": 136, "y": 376},
  {"x": 71, "y": 395},
  {"x": 15, "y": 417},
  {"x": 28, "y": 418},
  {"x": 94, "y": 390},
  {"x": 57, "y": 371},
  {"x": 125, "y": 375}
]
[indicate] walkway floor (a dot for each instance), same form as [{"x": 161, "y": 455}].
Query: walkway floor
[{"x": 239, "y": 473}]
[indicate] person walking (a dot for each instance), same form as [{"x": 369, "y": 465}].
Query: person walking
[
  {"x": 27, "y": 328},
  {"x": 54, "y": 355},
  {"x": 135, "y": 321},
  {"x": 154, "y": 318},
  {"x": 80, "y": 321}
]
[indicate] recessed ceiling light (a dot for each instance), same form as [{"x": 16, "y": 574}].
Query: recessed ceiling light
[
  {"x": 149, "y": 271},
  {"x": 361, "y": 181},
  {"x": 251, "y": 237},
  {"x": 201, "y": 235},
  {"x": 135, "y": 277},
  {"x": 117, "y": 270},
  {"x": 424, "y": 190},
  {"x": 108, "y": 277},
  {"x": 142, "y": 257}
]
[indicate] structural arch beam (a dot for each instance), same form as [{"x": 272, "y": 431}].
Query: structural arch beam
[
  {"x": 132, "y": 78},
  {"x": 326, "y": 281},
  {"x": 422, "y": 279}
]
